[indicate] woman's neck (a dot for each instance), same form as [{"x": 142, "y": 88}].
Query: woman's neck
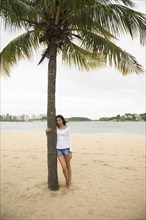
[{"x": 62, "y": 126}]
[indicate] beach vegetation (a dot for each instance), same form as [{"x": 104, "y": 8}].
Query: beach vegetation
[
  {"x": 84, "y": 33},
  {"x": 143, "y": 116}
]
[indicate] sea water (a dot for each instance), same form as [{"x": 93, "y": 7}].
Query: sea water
[{"x": 92, "y": 127}]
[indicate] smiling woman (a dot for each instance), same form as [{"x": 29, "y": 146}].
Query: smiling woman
[{"x": 64, "y": 147}]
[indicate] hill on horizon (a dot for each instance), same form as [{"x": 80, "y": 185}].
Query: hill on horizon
[{"x": 78, "y": 119}]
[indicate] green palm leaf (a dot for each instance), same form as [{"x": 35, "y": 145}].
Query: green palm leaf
[
  {"x": 81, "y": 58},
  {"x": 125, "y": 2},
  {"x": 116, "y": 19},
  {"x": 16, "y": 12},
  {"x": 21, "y": 47},
  {"x": 94, "y": 23},
  {"x": 113, "y": 54}
]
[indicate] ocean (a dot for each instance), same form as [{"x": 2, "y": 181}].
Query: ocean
[{"x": 92, "y": 127}]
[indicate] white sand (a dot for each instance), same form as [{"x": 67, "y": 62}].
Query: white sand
[{"x": 108, "y": 179}]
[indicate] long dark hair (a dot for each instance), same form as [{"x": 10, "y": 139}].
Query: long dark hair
[{"x": 63, "y": 119}]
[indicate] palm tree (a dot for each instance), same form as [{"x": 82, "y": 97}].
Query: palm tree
[{"x": 83, "y": 32}]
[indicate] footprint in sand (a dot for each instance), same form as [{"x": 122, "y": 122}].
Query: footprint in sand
[
  {"x": 103, "y": 163},
  {"x": 29, "y": 178},
  {"x": 16, "y": 157},
  {"x": 83, "y": 164},
  {"x": 106, "y": 164},
  {"x": 127, "y": 168},
  {"x": 5, "y": 155},
  {"x": 100, "y": 161}
]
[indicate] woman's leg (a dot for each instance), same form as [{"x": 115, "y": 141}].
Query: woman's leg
[
  {"x": 67, "y": 159},
  {"x": 62, "y": 161}
]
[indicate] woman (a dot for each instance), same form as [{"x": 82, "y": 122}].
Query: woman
[{"x": 64, "y": 148}]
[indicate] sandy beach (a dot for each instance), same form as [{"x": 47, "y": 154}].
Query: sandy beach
[{"x": 108, "y": 179}]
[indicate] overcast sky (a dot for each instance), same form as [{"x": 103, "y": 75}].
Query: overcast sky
[{"x": 94, "y": 94}]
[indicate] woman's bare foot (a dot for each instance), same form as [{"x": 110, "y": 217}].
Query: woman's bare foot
[{"x": 68, "y": 185}]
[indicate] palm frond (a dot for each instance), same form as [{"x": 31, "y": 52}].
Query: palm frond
[
  {"x": 92, "y": 23},
  {"x": 21, "y": 47},
  {"x": 81, "y": 58},
  {"x": 45, "y": 54},
  {"x": 113, "y": 54},
  {"x": 125, "y": 2},
  {"x": 97, "y": 29},
  {"x": 16, "y": 12},
  {"x": 131, "y": 22},
  {"x": 116, "y": 19}
]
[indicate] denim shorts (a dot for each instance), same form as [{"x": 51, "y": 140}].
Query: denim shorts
[{"x": 63, "y": 152}]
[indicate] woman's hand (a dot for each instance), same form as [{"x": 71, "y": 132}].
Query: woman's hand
[{"x": 48, "y": 130}]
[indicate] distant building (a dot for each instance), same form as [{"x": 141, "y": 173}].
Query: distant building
[
  {"x": 21, "y": 117},
  {"x": 14, "y": 118},
  {"x": 7, "y": 117},
  {"x": 1, "y": 118},
  {"x": 27, "y": 118}
]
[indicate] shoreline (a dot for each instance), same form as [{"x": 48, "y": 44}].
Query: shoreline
[
  {"x": 108, "y": 178},
  {"x": 81, "y": 128},
  {"x": 21, "y": 132}
]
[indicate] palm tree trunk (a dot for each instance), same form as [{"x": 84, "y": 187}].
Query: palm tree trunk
[{"x": 51, "y": 122}]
